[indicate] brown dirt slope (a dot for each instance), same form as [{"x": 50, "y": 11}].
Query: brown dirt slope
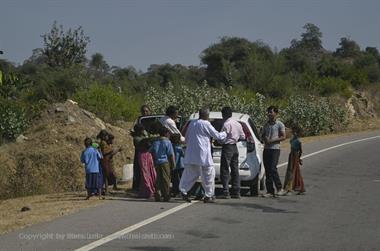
[{"x": 48, "y": 160}]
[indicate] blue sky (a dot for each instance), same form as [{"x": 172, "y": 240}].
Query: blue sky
[{"x": 140, "y": 33}]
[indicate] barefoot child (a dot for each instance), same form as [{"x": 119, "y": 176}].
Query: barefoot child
[
  {"x": 163, "y": 156},
  {"x": 90, "y": 157},
  {"x": 293, "y": 179}
]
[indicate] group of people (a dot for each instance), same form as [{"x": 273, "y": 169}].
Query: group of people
[
  {"x": 163, "y": 169},
  {"x": 158, "y": 157},
  {"x": 97, "y": 158}
]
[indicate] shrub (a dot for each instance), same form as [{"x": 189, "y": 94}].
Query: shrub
[
  {"x": 315, "y": 115},
  {"x": 12, "y": 119},
  {"x": 107, "y": 104},
  {"x": 191, "y": 100},
  {"x": 329, "y": 85}
]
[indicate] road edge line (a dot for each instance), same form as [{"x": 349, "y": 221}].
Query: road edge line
[
  {"x": 332, "y": 147},
  {"x": 129, "y": 229}
]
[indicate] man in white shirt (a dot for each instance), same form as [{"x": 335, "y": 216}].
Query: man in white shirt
[
  {"x": 230, "y": 154},
  {"x": 198, "y": 159},
  {"x": 169, "y": 121}
]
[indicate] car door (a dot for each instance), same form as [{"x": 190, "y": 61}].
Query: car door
[{"x": 259, "y": 147}]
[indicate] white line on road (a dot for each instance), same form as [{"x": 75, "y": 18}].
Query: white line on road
[
  {"x": 129, "y": 229},
  {"x": 133, "y": 227},
  {"x": 330, "y": 148}
]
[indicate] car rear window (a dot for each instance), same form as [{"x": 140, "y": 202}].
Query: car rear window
[{"x": 152, "y": 123}]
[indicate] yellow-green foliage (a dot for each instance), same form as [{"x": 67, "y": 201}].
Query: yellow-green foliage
[{"x": 107, "y": 104}]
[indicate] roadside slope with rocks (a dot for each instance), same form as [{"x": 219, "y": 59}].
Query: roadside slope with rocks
[{"x": 46, "y": 158}]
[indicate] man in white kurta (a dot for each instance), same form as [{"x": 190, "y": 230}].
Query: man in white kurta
[{"x": 198, "y": 159}]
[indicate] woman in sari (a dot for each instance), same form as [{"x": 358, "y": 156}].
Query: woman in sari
[
  {"x": 143, "y": 163},
  {"x": 293, "y": 179}
]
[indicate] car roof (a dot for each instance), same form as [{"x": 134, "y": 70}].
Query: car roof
[{"x": 218, "y": 115}]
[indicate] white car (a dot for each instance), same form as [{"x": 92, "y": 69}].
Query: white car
[{"x": 251, "y": 169}]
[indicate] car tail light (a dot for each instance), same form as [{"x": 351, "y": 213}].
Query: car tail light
[{"x": 249, "y": 138}]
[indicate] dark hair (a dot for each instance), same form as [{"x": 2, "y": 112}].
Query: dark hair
[
  {"x": 110, "y": 138},
  {"x": 87, "y": 142},
  {"x": 102, "y": 134},
  {"x": 171, "y": 110},
  {"x": 175, "y": 138},
  {"x": 226, "y": 112},
  {"x": 296, "y": 128},
  {"x": 137, "y": 130},
  {"x": 272, "y": 108},
  {"x": 163, "y": 131}
]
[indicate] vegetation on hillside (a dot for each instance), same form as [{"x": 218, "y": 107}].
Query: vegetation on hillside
[{"x": 304, "y": 79}]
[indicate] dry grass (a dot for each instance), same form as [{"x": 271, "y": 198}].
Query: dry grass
[
  {"x": 48, "y": 207},
  {"x": 43, "y": 208}
]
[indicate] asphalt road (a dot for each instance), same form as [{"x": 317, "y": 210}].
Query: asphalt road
[{"x": 340, "y": 211}]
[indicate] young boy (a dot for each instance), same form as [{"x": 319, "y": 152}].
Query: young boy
[
  {"x": 163, "y": 156},
  {"x": 90, "y": 157}
]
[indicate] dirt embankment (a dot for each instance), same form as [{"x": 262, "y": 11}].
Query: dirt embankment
[
  {"x": 364, "y": 110},
  {"x": 47, "y": 160}
]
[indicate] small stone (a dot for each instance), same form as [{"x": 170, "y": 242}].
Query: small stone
[
  {"x": 24, "y": 209},
  {"x": 70, "y": 120},
  {"x": 21, "y": 139},
  {"x": 60, "y": 109},
  {"x": 99, "y": 123},
  {"x": 89, "y": 114},
  {"x": 72, "y": 102}
]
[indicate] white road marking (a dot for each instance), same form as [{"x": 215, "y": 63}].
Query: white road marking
[
  {"x": 129, "y": 229},
  {"x": 330, "y": 148}
]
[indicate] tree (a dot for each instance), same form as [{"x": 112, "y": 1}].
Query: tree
[
  {"x": 237, "y": 61},
  {"x": 11, "y": 83},
  {"x": 373, "y": 51},
  {"x": 38, "y": 57},
  {"x": 63, "y": 49},
  {"x": 98, "y": 63},
  {"x": 348, "y": 48},
  {"x": 311, "y": 38}
]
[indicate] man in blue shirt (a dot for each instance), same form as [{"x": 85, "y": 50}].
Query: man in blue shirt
[
  {"x": 90, "y": 157},
  {"x": 163, "y": 156}
]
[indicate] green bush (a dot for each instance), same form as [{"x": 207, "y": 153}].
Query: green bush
[
  {"x": 12, "y": 119},
  {"x": 315, "y": 115},
  {"x": 330, "y": 85},
  {"x": 107, "y": 104}
]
